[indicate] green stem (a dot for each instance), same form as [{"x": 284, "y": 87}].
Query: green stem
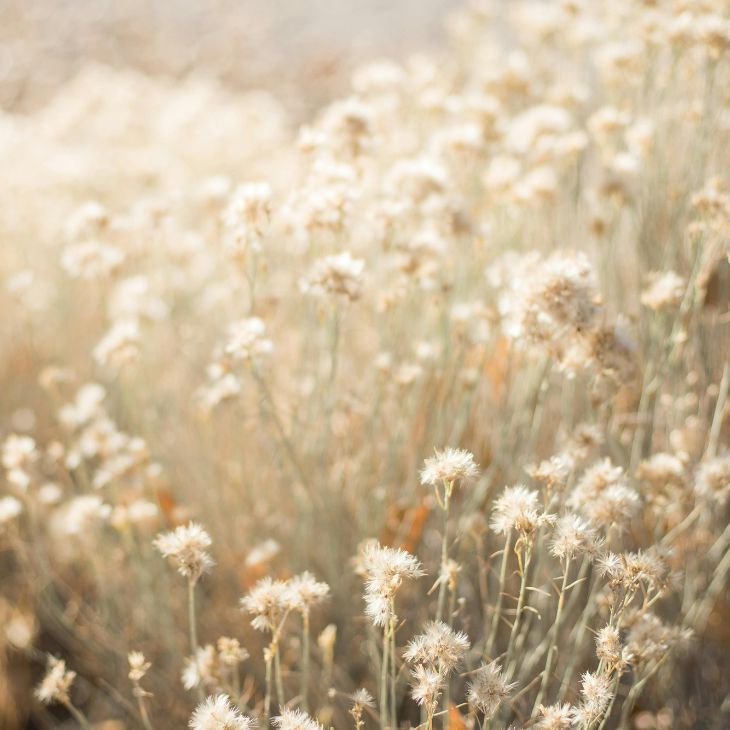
[
  {"x": 520, "y": 606},
  {"x": 489, "y": 648},
  {"x": 553, "y": 642},
  {"x": 304, "y": 689},
  {"x": 384, "y": 678},
  {"x": 444, "y": 553},
  {"x": 393, "y": 676},
  {"x": 267, "y": 696},
  {"x": 193, "y": 628},
  {"x": 277, "y": 675}
]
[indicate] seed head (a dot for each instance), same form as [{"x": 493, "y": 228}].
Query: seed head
[
  {"x": 307, "y": 592},
  {"x": 450, "y": 466},
  {"x": 217, "y": 713},
  {"x": 56, "y": 684},
  {"x": 295, "y": 720},
  {"x": 186, "y": 546},
  {"x": 230, "y": 651},
  {"x": 488, "y": 689},
  {"x": 596, "y": 695},
  {"x": 201, "y": 668},
  {"x": 712, "y": 479},
  {"x": 572, "y": 535},
  {"x": 517, "y": 509},
  {"x": 426, "y": 686},
  {"x": 439, "y": 646},
  {"x": 138, "y": 665},
  {"x": 337, "y": 275},
  {"x": 556, "y": 717},
  {"x": 384, "y": 570},
  {"x": 268, "y": 600},
  {"x": 608, "y": 645},
  {"x": 10, "y": 508}
]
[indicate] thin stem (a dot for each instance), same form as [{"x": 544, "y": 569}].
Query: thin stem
[
  {"x": 609, "y": 709},
  {"x": 520, "y": 606},
  {"x": 384, "y": 678},
  {"x": 193, "y": 628},
  {"x": 237, "y": 684},
  {"x": 77, "y": 715},
  {"x": 285, "y": 440},
  {"x": 139, "y": 694},
  {"x": 634, "y": 693},
  {"x": 192, "y": 623},
  {"x": 393, "y": 674},
  {"x": 553, "y": 641},
  {"x": 304, "y": 688},
  {"x": 719, "y": 411},
  {"x": 267, "y": 696},
  {"x": 444, "y": 552},
  {"x": 277, "y": 676},
  {"x": 500, "y": 598},
  {"x": 580, "y": 631},
  {"x": 697, "y": 616}
]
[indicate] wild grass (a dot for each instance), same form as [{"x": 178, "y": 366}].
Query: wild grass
[{"x": 412, "y": 416}]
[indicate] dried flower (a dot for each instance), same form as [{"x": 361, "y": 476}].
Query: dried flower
[
  {"x": 295, "y": 720},
  {"x": 187, "y": 547},
  {"x": 138, "y": 665},
  {"x": 230, "y": 651},
  {"x": 572, "y": 535},
  {"x": 340, "y": 274},
  {"x": 10, "y": 508},
  {"x": 217, "y": 713},
  {"x": 488, "y": 689},
  {"x": 200, "y": 668},
  {"x": 269, "y": 601},
  {"x": 306, "y": 591},
  {"x": 665, "y": 289},
  {"x": 608, "y": 646},
  {"x": 596, "y": 695},
  {"x": 517, "y": 509},
  {"x": 438, "y": 646},
  {"x": 712, "y": 479},
  {"x": 450, "y": 466},
  {"x": 246, "y": 340},
  {"x": 427, "y": 686},
  {"x": 385, "y": 569},
  {"x": 56, "y": 684},
  {"x": 556, "y": 717}
]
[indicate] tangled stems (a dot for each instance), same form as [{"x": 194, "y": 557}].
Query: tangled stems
[
  {"x": 609, "y": 709},
  {"x": 553, "y": 641},
  {"x": 523, "y": 550},
  {"x": 272, "y": 657},
  {"x": 388, "y": 672},
  {"x": 578, "y": 635},
  {"x": 634, "y": 693},
  {"x": 500, "y": 597}
]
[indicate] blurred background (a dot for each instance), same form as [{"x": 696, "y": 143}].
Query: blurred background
[{"x": 300, "y": 50}]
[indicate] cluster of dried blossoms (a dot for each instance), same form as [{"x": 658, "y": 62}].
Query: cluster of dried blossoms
[{"x": 518, "y": 249}]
